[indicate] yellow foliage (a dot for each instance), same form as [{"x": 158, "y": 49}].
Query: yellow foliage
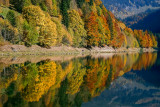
[
  {"x": 45, "y": 26},
  {"x": 121, "y": 73},
  {"x": 61, "y": 31},
  {"x": 122, "y": 25},
  {"x": 76, "y": 28},
  {"x": 34, "y": 15}
]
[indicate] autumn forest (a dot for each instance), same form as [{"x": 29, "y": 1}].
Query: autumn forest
[{"x": 76, "y": 23}]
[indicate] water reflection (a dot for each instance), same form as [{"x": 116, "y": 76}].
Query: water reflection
[{"x": 66, "y": 83}]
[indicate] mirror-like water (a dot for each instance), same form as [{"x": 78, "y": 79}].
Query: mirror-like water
[{"x": 102, "y": 80}]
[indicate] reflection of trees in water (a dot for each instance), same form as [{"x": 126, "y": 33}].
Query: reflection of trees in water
[
  {"x": 45, "y": 75},
  {"x": 145, "y": 60},
  {"x": 69, "y": 83}
]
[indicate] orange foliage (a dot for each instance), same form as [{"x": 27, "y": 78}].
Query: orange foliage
[
  {"x": 49, "y": 3},
  {"x": 92, "y": 30},
  {"x": 145, "y": 60},
  {"x": 145, "y": 39},
  {"x": 98, "y": 2},
  {"x": 118, "y": 38},
  {"x": 4, "y": 2}
]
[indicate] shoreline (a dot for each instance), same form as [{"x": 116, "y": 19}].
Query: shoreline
[{"x": 21, "y": 50}]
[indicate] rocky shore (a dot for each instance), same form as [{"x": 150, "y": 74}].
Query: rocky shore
[{"x": 10, "y": 50}]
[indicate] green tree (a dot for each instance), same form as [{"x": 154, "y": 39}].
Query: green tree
[
  {"x": 45, "y": 26},
  {"x": 19, "y": 4},
  {"x": 76, "y": 28},
  {"x": 11, "y": 17},
  {"x": 30, "y": 34},
  {"x": 65, "y": 5},
  {"x": 91, "y": 2},
  {"x": 110, "y": 23},
  {"x": 80, "y": 3}
]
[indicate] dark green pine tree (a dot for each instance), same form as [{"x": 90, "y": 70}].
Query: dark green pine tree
[
  {"x": 91, "y": 2},
  {"x": 80, "y": 3},
  {"x": 11, "y": 17},
  {"x": 110, "y": 23},
  {"x": 65, "y": 5}
]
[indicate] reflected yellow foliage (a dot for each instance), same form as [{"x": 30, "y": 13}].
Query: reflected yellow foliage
[
  {"x": 75, "y": 78},
  {"x": 68, "y": 80},
  {"x": 45, "y": 79}
]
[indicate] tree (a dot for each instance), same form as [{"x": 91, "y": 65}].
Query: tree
[
  {"x": 64, "y": 37},
  {"x": 65, "y": 4},
  {"x": 8, "y": 32},
  {"x": 80, "y": 3},
  {"x": 19, "y": 4},
  {"x": 154, "y": 40},
  {"x": 4, "y": 2},
  {"x": 76, "y": 28},
  {"x": 49, "y": 3},
  {"x": 11, "y": 17},
  {"x": 30, "y": 34},
  {"x": 91, "y": 2},
  {"x": 145, "y": 39},
  {"x": 104, "y": 32},
  {"x": 110, "y": 23},
  {"x": 91, "y": 26},
  {"x": 46, "y": 28}
]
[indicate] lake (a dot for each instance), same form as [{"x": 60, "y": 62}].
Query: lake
[{"x": 103, "y": 80}]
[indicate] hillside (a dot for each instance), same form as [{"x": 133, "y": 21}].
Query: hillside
[
  {"x": 150, "y": 22},
  {"x": 126, "y": 8},
  {"x": 76, "y": 23},
  {"x": 129, "y": 21}
]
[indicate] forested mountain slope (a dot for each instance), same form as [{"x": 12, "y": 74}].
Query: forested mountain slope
[
  {"x": 150, "y": 22},
  {"x": 78, "y": 23},
  {"x": 129, "y": 21},
  {"x": 125, "y": 8}
]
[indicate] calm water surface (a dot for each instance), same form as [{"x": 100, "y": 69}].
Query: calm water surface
[{"x": 108, "y": 80}]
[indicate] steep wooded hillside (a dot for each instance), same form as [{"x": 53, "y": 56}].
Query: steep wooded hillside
[
  {"x": 126, "y": 8},
  {"x": 150, "y": 22},
  {"x": 78, "y": 23}
]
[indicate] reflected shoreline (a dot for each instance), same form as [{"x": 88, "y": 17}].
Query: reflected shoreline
[
  {"x": 65, "y": 80},
  {"x": 36, "y": 59}
]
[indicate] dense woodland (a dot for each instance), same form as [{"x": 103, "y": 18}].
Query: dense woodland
[{"x": 77, "y": 23}]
